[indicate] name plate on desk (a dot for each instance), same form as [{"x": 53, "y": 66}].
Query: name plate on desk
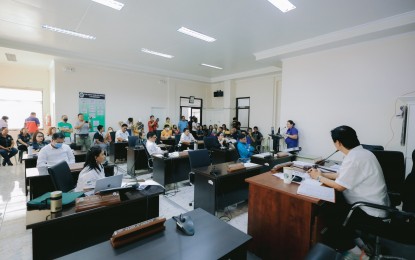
[
  {"x": 95, "y": 201},
  {"x": 137, "y": 231},
  {"x": 236, "y": 167}
]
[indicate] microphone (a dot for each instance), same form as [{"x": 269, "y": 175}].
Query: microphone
[{"x": 321, "y": 162}]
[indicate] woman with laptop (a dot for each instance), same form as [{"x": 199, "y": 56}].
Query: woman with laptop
[{"x": 93, "y": 169}]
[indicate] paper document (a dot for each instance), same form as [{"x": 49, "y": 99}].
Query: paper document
[
  {"x": 143, "y": 185},
  {"x": 261, "y": 155},
  {"x": 302, "y": 164},
  {"x": 318, "y": 192},
  {"x": 248, "y": 165}
]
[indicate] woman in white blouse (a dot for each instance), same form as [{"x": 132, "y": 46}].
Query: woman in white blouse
[{"x": 93, "y": 169}]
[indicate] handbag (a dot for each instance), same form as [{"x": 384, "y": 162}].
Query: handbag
[{"x": 43, "y": 202}]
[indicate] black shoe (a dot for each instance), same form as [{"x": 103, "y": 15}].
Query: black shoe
[
  {"x": 9, "y": 163},
  {"x": 4, "y": 163}
]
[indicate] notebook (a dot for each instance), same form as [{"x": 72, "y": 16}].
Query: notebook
[{"x": 108, "y": 183}]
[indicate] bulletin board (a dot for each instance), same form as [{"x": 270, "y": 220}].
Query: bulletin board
[{"x": 92, "y": 105}]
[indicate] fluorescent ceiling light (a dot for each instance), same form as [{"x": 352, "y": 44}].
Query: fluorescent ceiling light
[
  {"x": 283, "y": 5},
  {"x": 196, "y": 34},
  {"x": 72, "y": 33},
  {"x": 157, "y": 53},
  {"x": 211, "y": 66},
  {"x": 110, "y": 3}
]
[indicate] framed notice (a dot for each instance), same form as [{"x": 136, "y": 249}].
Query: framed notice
[
  {"x": 92, "y": 105},
  {"x": 192, "y": 99}
]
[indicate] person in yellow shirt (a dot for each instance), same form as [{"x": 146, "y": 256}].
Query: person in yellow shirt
[{"x": 166, "y": 133}]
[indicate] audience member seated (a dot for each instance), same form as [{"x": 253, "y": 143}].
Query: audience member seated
[
  {"x": 23, "y": 140},
  {"x": 82, "y": 133},
  {"x": 186, "y": 138},
  {"x": 122, "y": 134},
  {"x": 234, "y": 133},
  {"x": 93, "y": 169},
  {"x": 51, "y": 131},
  {"x": 108, "y": 137},
  {"x": 38, "y": 141},
  {"x": 99, "y": 138},
  {"x": 175, "y": 130},
  {"x": 248, "y": 138},
  {"x": 55, "y": 152},
  {"x": 151, "y": 145},
  {"x": 199, "y": 133},
  {"x": 7, "y": 149},
  {"x": 222, "y": 140},
  {"x": 244, "y": 149},
  {"x": 166, "y": 133}
]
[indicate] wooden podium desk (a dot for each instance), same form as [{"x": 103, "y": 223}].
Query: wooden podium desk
[
  {"x": 58, "y": 234},
  {"x": 171, "y": 169},
  {"x": 217, "y": 191},
  {"x": 283, "y": 225},
  {"x": 213, "y": 239}
]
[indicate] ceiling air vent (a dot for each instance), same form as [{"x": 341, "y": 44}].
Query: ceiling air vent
[{"x": 11, "y": 57}]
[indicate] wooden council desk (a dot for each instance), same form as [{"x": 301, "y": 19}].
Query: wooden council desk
[
  {"x": 58, "y": 234},
  {"x": 225, "y": 188},
  {"x": 283, "y": 225},
  {"x": 213, "y": 239}
]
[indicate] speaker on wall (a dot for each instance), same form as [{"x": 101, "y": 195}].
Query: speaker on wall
[{"x": 218, "y": 93}]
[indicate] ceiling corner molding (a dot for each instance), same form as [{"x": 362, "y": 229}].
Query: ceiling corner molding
[
  {"x": 384, "y": 24},
  {"x": 247, "y": 74}
]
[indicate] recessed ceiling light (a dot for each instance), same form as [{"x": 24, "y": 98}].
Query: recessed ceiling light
[
  {"x": 157, "y": 53},
  {"x": 283, "y": 5},
  {"x": 59, "y": 30},
  {"x": 196, "y": 34},
  {"x": 11, "y": 57},
  {"x": 211, "y": 66},
  {"x": 110, "y": 3}
]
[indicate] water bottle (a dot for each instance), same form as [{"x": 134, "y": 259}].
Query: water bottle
[
  {"x": 30, "y": 150},
  {"x": 55, "y": 201}
]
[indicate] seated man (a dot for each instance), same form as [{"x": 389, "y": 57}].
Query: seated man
[
  {"x": 360, "y": 178},
  {"x": 222, "y": 141},
  {"x": 234, "y": 133},
  {"x": 186, "y": 138},
  {"x": 166, "y": 133},
  {"x": 151, "y": 145},
  {"x": 122, "y": 134},
  {"x": 100, "y": 140},
  {"x": 7, "y": 149},
  {"x": 55, "y": 152},
  {"x": 244, "y": 149}
]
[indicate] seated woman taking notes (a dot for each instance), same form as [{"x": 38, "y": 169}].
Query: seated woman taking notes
[{"x": 93, "y": 170}]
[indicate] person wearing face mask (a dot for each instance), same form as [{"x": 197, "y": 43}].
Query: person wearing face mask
[
  {"x": 166, "y": 133},
  {"x": 55, "y": 152},
  {"x": 65, "y": 128}
]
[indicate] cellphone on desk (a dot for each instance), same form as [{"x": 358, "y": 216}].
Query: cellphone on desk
[{"x": 297, "y": 178}]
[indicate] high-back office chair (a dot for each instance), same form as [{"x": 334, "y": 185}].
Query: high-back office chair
[
  {"x": 158, "y": 134},
  {"x": 112, "y": 134},
  {"x": 177, "y": 142},
  {"x": 149, "y": 158},
  {"x": 198, "y": 158},
  {"x": 211, "y": 142},
  {"x": 393, "y": 167},
  {"x": 321, "y": 251},
  {"x": 408, "y": 191},
  {"x": 62, "y": 177},
  {"x": 371, "y": 147}
]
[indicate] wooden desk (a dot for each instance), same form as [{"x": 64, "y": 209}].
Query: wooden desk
[
  {"x": 283, "y": 225},
  {"x": 200, "y": 145},
  {"x": 213, "y": 192},
  {"x": 172, "y": 169},
  {"x": 271, "y": 161},
  {"x": 213, "y": 239},
  {"x": 39, "y": 182},
  {"x": 66, "y": 232},
  {"x": 30, "y": 161}
]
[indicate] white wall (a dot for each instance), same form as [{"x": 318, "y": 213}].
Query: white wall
[
  {"x": 128, "y": 94},
  {"x": 356, "y": 85}
]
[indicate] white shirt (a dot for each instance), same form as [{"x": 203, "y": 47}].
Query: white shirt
[
  {"x": 88, "y": 177},
  {"x": 362, "y": 176},
  {"x": 187, "y": 138},
  {"x": 49, "y": 156},
  {"x": 152, "y": 148},
  {"x": 3, "y": 123},
  {"x": 122, "y": 135}
]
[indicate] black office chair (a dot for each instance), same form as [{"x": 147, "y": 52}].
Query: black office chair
[
  {"x": 408, "y": 191},
  {"x": 158, "y": 134},
  {"x": 112, "y": 134},
  {"x": 321, "y": 251},
  {"x": 393, "y": 167},
  {"x": 62, "y": 177},
  {"x": 371, "y": 147},
  {"x": 149, "y": 158},
  {"x": 177, "y": 144},
  {"x": 198, "y": 158},
  {"x": 211, "y": 142}
]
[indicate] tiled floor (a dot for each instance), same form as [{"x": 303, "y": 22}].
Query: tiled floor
[{"x": 16, "y": 241}]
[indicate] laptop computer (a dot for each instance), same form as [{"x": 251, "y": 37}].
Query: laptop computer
[{"x": 108, "y": 183}]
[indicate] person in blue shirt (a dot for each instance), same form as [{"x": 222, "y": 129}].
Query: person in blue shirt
[
  {"x": 291, "y": 136},
  {"x": 182, "y": 124},
  {"x": 245, "y": 150}
]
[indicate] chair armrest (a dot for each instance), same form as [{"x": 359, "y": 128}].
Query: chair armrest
[{"x": 376, "y": 206}]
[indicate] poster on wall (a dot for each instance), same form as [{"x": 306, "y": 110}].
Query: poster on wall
[{"x": 92, "y": 105}]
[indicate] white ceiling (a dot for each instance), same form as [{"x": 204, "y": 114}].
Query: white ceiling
[{"x": 252, "y": 35}]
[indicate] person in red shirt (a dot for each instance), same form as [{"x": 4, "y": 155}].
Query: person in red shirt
[
  {"x": 32, "y": 123},
  {"x": 153, "y": 124}
]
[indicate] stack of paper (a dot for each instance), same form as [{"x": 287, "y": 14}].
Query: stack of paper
[{"x": 318, "y": 192}]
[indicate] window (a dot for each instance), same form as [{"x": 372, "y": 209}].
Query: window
[
  {"x": 242, "y": 111},
  {"x": 17, "y": 104},
  {"x": 189, "y": 109}
]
